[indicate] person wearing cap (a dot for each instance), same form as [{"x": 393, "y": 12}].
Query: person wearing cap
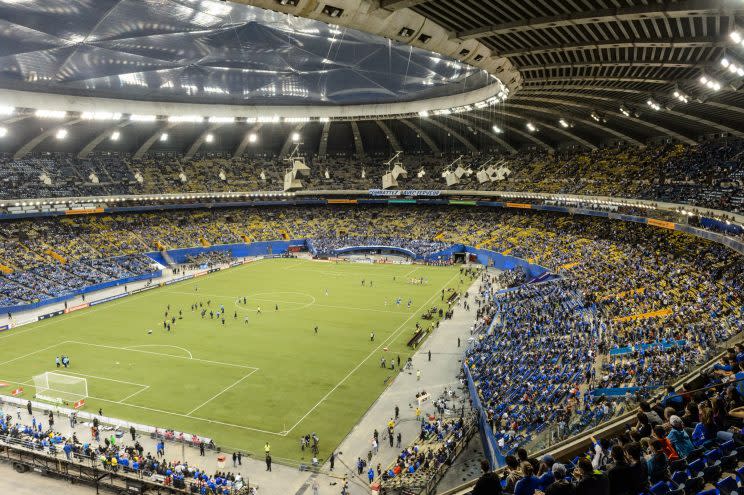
[
  {"x": 561, "y": 486},
  {"x": 679, "y": 438},
  {"x": 489, "y": 483}
]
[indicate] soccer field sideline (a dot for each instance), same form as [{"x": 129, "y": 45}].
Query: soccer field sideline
[{"x": 228, "y": 388}]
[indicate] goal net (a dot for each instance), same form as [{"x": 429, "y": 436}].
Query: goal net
[{"x": 59, "y": 388}]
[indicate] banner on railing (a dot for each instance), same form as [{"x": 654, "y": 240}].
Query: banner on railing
[
  {"x": 404, "y": 192},
  {"x": 79, "y": 404},
  {"x": 17, "y": 392},
  {"x": 49, "y": 315},
  {"x": 109, "y": 298}
]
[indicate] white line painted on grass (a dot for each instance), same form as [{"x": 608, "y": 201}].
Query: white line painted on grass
[
  {"x": 132, "y": 395},
  {"x": 65, "y": 372},
  {"x": 162, "y": 354},
  {"x": 195, "y": 418},
  {"x": 217, "y": 395},
  {"x": 135, "y": 347},
  {"x": 34, "y": 352},
  {"x": 392, "y": 336}
]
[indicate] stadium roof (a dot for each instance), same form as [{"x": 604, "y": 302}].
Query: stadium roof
[
  {"x": 212, "y": 51},
  {"x": 589, "y": 62}
]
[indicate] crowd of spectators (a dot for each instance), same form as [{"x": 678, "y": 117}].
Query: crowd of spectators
[
  {"x": 709, "y": 174},
  {"x": 689, "y": 442},
  {"x": 633, "y": 305},
  {"x": 112, "y": 453}
]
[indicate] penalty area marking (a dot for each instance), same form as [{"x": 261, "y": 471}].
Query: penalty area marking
[
  {"x": 220, "y": 393},
  {"x": 135, "y": 347}
]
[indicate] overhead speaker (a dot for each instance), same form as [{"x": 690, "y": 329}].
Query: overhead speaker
[
  {"x": 482, "y": 176},
  {"x": 399, "y": 171},
  {"x": 388, "y": 181},
  {"x": 460, "y": 171},
  {"x": 291, "y": 183},
  {"x": 300, "y": 169},
  {"x": 452, "y": 179}
]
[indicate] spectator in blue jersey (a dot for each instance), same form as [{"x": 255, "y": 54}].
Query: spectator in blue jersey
[{"x": 529, "y": 484}]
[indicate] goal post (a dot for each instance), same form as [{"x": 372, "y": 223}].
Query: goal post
[{"x": 60, "y": 388}]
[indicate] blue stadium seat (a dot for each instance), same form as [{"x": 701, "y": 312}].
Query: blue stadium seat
[
  {"x": 696, "y": 467},
  {"x": 660, "y": 488},
  {"x": 740, "y": 474},
  {"x": 712, "y": 491},
  {"x": 728, "y": 486},
  {"x": 680, "y": 478},
  {"x": 712, "y": 473},
  {"x": 713, "y": 457},
  {"x": 678, "y": 465},
  {"x": 728, "y": 447}
]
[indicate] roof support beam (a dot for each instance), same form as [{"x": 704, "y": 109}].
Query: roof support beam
[
  {"x": 570, "y": 103},
  {"x": 611, "y": 65},
  {"x": 88, "y": 148},
  {"x": 524, "y": 134},
  {"x": 695, "y": 118},
  {"x": 200, "y": 140},
  {"x": 589, "y": 123},
  {"x": 492, "y": 135},
  {"x": 528, "y": 83},
  {"x": 323, "y": 146},
  {"x": 15, "y": 118},
  {"x": 429, "y": 141},
  {"x": 245, "y": 141},
  {"x": 34, "y": 142},
  {"x": 698, "y": 8},
  {"x": 454, "y": 134},
  {"x": 151, "y": 140},
  {"x": 700, "y": 42},
  {"x": 358, "y": 144},
  {"x": 390, "y": 136},
  {"x": 400, "y": 4}
]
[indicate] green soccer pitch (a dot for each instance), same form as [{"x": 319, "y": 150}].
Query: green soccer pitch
[{"x": 242, "y": 384}]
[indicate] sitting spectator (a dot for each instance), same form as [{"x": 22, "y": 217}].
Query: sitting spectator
[
  {"x": 590, "y": 481},
  {"x": 679, "y": 438},
  {"x": 529, "y": 483}
]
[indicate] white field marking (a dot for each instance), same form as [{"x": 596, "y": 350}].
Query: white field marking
[
  {"x": 195, "y": 418},
  {"x": 135, "y": 393},
  {"x": 65, "y": 372},
  {"x": 134, "y": 347},
  {"x": 392, "y": 336},
  {"x": 164, "y": 355},
  {"x": 408, "y": 274},
  {"x": 34, "y": 352},
  {"x": 220, "y": 393}
]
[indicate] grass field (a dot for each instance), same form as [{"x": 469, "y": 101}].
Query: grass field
[{"x": 242, "y": 384}]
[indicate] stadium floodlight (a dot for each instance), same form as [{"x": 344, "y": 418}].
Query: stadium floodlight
[
  {"x": 296, "y": 120},
  {"x": 710, "y": 83},
  {"x": 681, "y": 96},
  {"x": 6, "y": 110},
  {"x": 497, "y": 129},
  {"x": 221, "y": 120},
  {"x": 736, "y": 37},
  {"x": 50, "y": 114},
  {"x": 3, "y": 132},
  {"x": 295, "y": 137},
  {"x": 209, "y": 138},
  {"x": 324, "y": 119},
  {"x": 142, "y": 118},
  {"x": 266, "y": 119},
  {"x": 252, "y": 137},
  {"x": 61, "y": 134},
  {"x": 115, "y": 135},
  {"x": 423, "y": 113},
  {"x": 531, "y": 127},
  {"x": 733, "y": 67},
  {"x": 59, "y": 388},
  {"x": 164, "y": 137},
  {"x": 653, "y": 104},
  {"x": 100, "y": 115},
  {"x": 564, "y": 123}
]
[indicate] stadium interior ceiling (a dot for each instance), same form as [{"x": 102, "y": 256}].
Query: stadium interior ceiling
[{"x": 578, "y": 74}]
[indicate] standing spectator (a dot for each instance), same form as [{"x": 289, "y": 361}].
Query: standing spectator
[
  {"x": 489, "y": 483},
  {"x": 619, "y": 473},
  {"x": 590, "y": 482}
]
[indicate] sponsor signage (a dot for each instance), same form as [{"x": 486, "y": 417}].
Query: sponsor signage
[
  {"x": 79, "y": 404},
  {"x": 109, "y": 298},
  {"x": 76, "y": 308},
  {"x": 17, "y": 392},
  {"x": 405, "y": 192},
  {"x": 50, "y": 315}
]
